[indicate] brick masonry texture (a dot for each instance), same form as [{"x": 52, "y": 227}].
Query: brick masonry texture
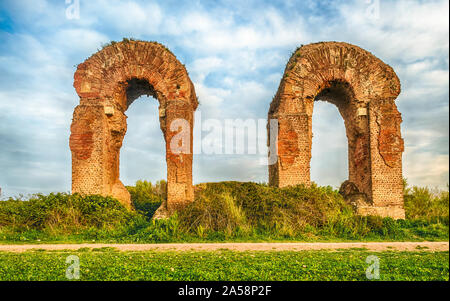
[
  {"x": 364, "y": 90},
  {"x": 107, "y": 84}
]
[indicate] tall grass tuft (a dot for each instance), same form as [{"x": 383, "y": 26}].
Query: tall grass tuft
[{"x": 229, "y": 206}]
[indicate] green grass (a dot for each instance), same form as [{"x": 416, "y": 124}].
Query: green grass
[
  {"x": 106, "y": 264},
  {"x": 225, "y": 211}
]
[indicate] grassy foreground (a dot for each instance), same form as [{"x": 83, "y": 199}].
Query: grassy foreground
[
  {"x": 107, "y": 264},
  {"x": 225, "y": 211}
]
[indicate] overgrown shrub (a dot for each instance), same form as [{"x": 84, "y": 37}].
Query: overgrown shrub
[
  {"x": 146, "y": 197},
  {"x": 236, "y": 208},
  {"x": 220, "y": 213},
  {"x": 62, "y": 212},
  {"x": 228, "y": 206},
  {"x": 427, "y": 204}
]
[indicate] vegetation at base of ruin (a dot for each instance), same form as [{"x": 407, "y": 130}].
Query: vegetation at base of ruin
[
  {"x": 146, "y": 197},
  {"x": 110, "y": 264},
  {"x": 225, "y": 211},
  {"x": 112, "y": 43},
  {"x": 128, "y": 40}
]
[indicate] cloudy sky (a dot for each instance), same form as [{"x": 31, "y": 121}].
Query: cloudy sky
[{"x": 235, "y": 53}]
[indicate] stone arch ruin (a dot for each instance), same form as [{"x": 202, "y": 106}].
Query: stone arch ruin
[
  {"x": 362, "y": 87},
  {"x": 107, "y": 84},
  {"x": 364, "y": 90}
]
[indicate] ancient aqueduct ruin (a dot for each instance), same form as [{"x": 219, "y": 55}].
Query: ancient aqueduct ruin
[{"x": 362, "y": 87}]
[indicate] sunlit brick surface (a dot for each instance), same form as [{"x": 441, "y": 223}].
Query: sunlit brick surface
[
  {"x": 364, "y": 90},
  {"x": 107, "y": 83}
]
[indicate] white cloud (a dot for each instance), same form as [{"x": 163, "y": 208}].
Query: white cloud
[
  {"x": 420, "y": 164},
  {"x": 36, "y": 106},
  {"x": 129, "y": 17},
  {"x": 206, "y": 32},
  {"x": 210, "y": 97},
  {"x": 78, "y": 40},
  {"x": 426, "y": 169},
  {"x": 201, "y": 67},
  {"x": 404, "y": 30},
  {"x": 423, "y": 78}
]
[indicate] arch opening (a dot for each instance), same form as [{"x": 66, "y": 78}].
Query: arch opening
[
  {"x": 138, "y": 87},
  {"x": 341, "y": 94},
  {"x": 337, "y": 92},
  {"x": 329, "y": 148},
  {"x": 142, "y": 156}
]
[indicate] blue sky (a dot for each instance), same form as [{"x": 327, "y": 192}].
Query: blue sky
[{"x": 235, "y": 53}]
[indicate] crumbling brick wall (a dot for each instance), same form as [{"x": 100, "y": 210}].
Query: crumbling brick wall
[
  {"x": 107, "y": 83},
  {"x": 364, "y": 90}
]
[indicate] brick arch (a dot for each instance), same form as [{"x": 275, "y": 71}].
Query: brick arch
[
  {"x": 364, "y": 90},
  {"x": 107, "y": 83}
]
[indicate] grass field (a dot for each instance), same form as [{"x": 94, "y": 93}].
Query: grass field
[{"x": 109, "y": 264}]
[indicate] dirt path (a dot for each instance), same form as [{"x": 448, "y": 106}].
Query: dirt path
[{"x": 371, "y": 246}]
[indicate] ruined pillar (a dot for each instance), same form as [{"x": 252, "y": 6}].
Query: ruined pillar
[{"x": 386, "y": 147}]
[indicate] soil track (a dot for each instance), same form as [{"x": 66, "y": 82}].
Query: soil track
[{"x": 370, "y": 246}]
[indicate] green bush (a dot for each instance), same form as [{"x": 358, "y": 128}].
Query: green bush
[
  {"x": 146, "y": 197},
  {"x": 428, "y": 204},
  {"x": 62, "y": 212}
]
